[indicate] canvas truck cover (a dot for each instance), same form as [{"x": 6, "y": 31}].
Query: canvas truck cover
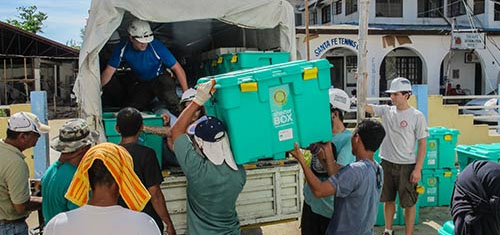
[{"x": 107, "y": 15}]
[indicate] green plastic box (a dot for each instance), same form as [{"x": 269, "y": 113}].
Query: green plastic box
[
  {"x": 447, "y": 229},
  {"x": 153, "y": 141},
  {"x": 253, "y": 59},
  {"x": 430, "y": 182},
  {"x": 468, "y": 153},
  {"x": 441, "y": 145},
  {"x": 224, "y": 63},
  {"x": 267, "y": 110},
  {"x": 446, "y": 182}
]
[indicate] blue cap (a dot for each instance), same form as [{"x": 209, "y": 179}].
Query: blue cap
[{"x": 210, "y": 130}]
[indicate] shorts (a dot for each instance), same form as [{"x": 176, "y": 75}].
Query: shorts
[{"x": 397, "y": 180}]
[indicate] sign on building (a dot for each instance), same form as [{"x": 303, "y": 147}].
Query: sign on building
[{"x": 463, "y": 40}]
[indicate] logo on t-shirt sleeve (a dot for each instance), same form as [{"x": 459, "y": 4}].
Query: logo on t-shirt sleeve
[{"x": 403, "y": 123}]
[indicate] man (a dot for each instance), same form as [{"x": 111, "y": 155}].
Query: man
[
  {"x": 356, "y": 186},
  {"x": 405, "y": 126},
  {"x": 106, "y": 169},
  {"x": 213, "y": 186},
  {"x": 317, "y": 212},
  {"x": 149, "y": 59},
  {"x": 74, "y": 140},
  {"x": 23, "y": 132},
  {"x": 129, "y": 124},
  {"x": 475, "y": 203}
]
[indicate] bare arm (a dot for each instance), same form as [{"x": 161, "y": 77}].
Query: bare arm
[
  {"x": 369, "y": 109},
  {"x": 325, "y": 155},
  {"x": 180, "y": 75},
  {"x": 33, "y": 204},
  {"x": 159, "y": 205},
  {"x": 417, "y": 172},
  {"x": 107, "y": 74},
  {"x": 318, "y": 188}
]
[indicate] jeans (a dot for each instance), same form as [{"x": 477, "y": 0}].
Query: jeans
[{"x": 14, "y": 229}]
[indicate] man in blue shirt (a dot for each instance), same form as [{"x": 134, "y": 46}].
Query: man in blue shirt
[
  {"x": 149, "y": 59},
  {"x": 317, "y": 212},
  {"x": 356, "y": 186}
]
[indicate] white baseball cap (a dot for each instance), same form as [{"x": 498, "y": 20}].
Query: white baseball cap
[
  {"x": 141, "y": 31},
  {"x": 339, "y": 99},
  {"x": 399, "y": 84},
  {"x": 26, "y": 122},
  {"x": 188, "y": 95}
]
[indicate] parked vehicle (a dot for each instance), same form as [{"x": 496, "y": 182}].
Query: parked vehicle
[{"x": 484, "y": 115}]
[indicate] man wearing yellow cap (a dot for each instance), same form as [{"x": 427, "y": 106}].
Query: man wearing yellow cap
[
  {"x": 107, "y": 171},
  {"x": 23, "y": 132}
]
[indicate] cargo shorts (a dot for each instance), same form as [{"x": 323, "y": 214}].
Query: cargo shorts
[{"x": 397, "y": 180}]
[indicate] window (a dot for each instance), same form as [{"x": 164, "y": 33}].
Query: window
[
  {"x": 298, "y": 19},
  {"x": 338, "y": 7},
  {"x": 397, "y": 66},
  {"x": 478, "y": 7},
  {"x": 430, "y": 8},
  {"x": 351, "y": 6},
  {"x": 313, "y": 18},
  {"x": 389, "y": 8},
  {"x": 326, "y": 13},
  {"x": 456, "y": 8},
  {"x": 497, "y": 12}
]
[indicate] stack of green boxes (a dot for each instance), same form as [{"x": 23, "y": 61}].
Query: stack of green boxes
[
  {"x": 243, "y": 60},
  {"x": 468, "y": 153},
  {"x": 272, "y": 107},
  {"x": 438, "y": 171},
  {"x": 153, "y": 141}
]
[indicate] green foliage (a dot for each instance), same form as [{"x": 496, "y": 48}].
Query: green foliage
[
  {"x": 29, "y": 19},
  {"x": 74, "y": 44}
]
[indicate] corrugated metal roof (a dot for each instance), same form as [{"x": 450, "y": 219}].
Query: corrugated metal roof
[{"x": 18, "y": 42}]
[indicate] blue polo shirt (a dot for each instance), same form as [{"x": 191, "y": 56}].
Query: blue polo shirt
[{"x": 147, "y": 64}]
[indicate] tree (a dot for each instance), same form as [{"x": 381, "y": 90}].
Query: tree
[{"x": 29, "y": 19}]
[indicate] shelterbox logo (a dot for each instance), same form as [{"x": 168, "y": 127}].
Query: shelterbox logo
[{"x": 280, "y": 97}]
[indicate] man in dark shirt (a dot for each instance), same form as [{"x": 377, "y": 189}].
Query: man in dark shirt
[{"x": 129, "y": 124}]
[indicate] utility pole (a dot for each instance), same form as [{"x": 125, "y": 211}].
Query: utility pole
[
  {"x": 306, "y": 21},
  {"x": 362, "y": 78}
]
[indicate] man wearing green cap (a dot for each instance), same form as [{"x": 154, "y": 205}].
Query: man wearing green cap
[{"x": 74, "y": 140}]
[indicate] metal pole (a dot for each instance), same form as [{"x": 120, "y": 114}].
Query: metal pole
[
  {"x": 362, "y": 70},
  {"x": 306, "y": 19},
  {"x": 55, "y": 89},
  {"x": 5, "y": 81},
  {"x": 26, "y": 81}
]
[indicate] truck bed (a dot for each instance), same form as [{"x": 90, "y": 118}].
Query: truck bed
[{"x": 273, "y": 192}]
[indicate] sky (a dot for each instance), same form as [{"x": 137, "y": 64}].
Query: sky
[{"x": 65, "y": 17}]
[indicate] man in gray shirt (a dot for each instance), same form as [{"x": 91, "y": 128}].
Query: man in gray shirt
[
  {"x": 356, "y": 186},
  {"x": 405, "y": 126}
]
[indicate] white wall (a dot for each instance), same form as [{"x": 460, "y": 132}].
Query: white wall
[{"x": 466, "y": 71}]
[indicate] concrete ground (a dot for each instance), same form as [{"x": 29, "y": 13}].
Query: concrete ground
[{"x": 431, "y": 219}]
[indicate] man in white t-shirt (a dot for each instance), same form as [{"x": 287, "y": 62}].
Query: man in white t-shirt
[
  {"x": 405, "y": 126},
  {"x": 102, "y": 215}
]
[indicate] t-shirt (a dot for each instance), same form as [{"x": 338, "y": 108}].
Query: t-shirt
[
  {"x": 55, "y": 184},
  {"x": 14, "y": 186},
  {"x": 212, "y": 191},
  {"x": 358, "y": 186},
  {"x": 146, "y": 167},
  {"x": 402, "y": 130},
  {"x": 97, "y": 220},
  {"x": 146, "y": 64},
  {"x": 324, "y": 206}
]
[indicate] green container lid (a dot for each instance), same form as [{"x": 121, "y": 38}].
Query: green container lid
[
  {"x": 440, "y": 131},
  {"x": 487, "y": 151}
]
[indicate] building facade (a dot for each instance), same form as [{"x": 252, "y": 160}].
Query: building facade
[{"x": 409, "y": 38}]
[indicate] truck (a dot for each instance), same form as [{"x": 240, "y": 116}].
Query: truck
[{"x": 196, "y": 31}]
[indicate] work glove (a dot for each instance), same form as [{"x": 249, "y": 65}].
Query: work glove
[{"x": 203, "y": 92}]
